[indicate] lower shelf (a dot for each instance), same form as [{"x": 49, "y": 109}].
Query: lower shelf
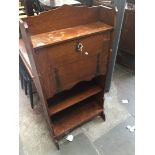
[
  {"x": 73, "y": 98},
  {"x": 75, "y": 116}
]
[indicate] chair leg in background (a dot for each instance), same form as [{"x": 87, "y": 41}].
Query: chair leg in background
[
  {"x": 21, "y": 81},
  {"x": 25, "y": 86},
  {"x": 30, "y": 93}
]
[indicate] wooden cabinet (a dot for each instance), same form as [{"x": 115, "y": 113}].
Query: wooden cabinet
[
  {"x": 127, "y": 40},
  {"x": 69, "y": 51},
  {"x": 126, "y": 54}
]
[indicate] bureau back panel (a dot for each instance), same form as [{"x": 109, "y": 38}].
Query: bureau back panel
[{"x": 60, "y": 18}]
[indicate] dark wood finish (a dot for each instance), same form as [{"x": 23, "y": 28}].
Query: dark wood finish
[
  {"x": 126, "y": 54},
  {"x": 72, "y": 97},
  {"x": 69, "y": 51},
  {"x": 50, "y": 20},
  {"x": 68, "y": 120},
  {"x": 127, "y": 40},
  {"x": 37, "y": 81},
  {"x": 59, "y": 36},
  {"x": 57, "y": 60},
  {"x": 92, "y": 45}
]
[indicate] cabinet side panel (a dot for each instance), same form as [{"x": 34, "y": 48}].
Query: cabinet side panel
[{"x": 36, "y": 79}]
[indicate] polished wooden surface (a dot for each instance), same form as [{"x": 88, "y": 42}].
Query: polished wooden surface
[
  {"x": 70, "y": 119},
  {"x": 93, "y": 45},
  {"x": 58, "y": 36},
  {"x": 72, "y": 97},
  {"x": 55, "y": 61},
  {"x": 37, "y": 81},
  {"x": 67, "y": 47},
  {"x": 61, "y": 18}
]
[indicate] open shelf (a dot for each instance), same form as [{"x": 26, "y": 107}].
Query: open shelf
[
  {"x": 71, "y": 118},
  {"x": 71, "y": 97}
]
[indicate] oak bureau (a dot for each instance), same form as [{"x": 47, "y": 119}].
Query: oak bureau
[{"x": 69, "y": 51}]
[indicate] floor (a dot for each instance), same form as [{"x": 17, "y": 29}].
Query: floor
[{"x": 93, "y": 138}]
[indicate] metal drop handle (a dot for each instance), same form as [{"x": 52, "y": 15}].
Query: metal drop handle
[{"x": 80, "y": 47}]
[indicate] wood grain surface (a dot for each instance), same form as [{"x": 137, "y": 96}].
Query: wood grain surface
[
  {"x": 62, "y": 35},
  {"x": 68, "y": 47}
]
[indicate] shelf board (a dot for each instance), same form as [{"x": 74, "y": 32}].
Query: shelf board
[
  {"x": 53, "y": 37},
  {"x": 75, "y": 117},
  {"x": 74, "y": 99}
]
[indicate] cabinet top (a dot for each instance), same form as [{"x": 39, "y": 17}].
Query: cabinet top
[{"x": 54, "y": 37}]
